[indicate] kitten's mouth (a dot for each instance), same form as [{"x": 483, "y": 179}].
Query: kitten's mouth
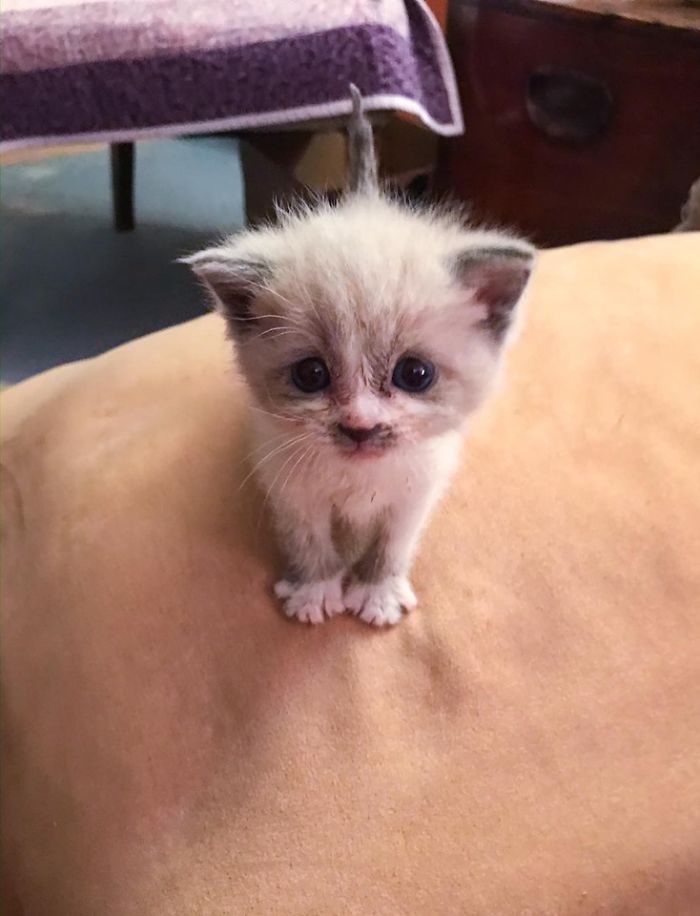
[
  {"x": 363, "y": 442},
  {"x": 363, "y": 451}
]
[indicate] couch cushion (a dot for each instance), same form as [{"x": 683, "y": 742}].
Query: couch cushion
[{"x": 528, "y": 741}]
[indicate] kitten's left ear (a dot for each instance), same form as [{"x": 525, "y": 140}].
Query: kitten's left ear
[{"x": 495, "y": 277}]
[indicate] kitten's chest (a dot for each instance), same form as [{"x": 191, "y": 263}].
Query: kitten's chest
[
  {"x": 361, "y": 499},
  {"x": 354, "y": 536}
]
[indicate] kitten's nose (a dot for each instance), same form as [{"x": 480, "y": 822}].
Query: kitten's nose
[{"x": 360, "y": 433}]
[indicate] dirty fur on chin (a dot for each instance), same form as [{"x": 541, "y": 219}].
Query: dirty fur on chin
[{"x": 368, "y": 332}]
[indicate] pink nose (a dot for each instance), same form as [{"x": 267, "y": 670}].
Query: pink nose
[{"x": 360, "y": 433}]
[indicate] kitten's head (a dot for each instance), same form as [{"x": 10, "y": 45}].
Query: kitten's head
[{"x": 368, "y": 324}]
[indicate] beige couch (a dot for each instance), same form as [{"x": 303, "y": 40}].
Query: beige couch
[{"x": 527, "y": 742}]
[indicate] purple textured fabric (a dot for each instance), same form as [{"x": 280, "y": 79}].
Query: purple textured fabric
[
  {"x": 39, "y": 34},
  {"x": 237, "y": 86}
]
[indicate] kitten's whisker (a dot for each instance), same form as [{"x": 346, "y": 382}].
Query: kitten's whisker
[
  {"x": 282, "y": 298},
  {"x": 291, "y": 304},
  {"x": 284, "y": 333},
  {"x": 281, "y": 331},
  {"x": 285, "y": 464},
  {"x": 293, "y": 468},
  {"x": 261, "y": 513},
  {"x": 288, "y": 459},
  {"x": 259, "y": 318},
  {"x": 278, "y": 416},
  {"x": 309, "y": 301},
  {"x": 264, "y": 445},
  {"x": 280, "y": 328},
  {"x": 275, "y": 451},
  {"x": 273, "y": 292},
  {"x": 281, "y": 449}
]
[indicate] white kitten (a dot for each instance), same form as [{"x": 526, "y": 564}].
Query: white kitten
[{"x": 368, "y": 332}]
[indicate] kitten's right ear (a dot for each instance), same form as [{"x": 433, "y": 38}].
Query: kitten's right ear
[{"x": 232, "y": 283}]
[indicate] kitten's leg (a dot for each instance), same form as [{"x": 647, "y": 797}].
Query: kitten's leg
[
  {"x": 380, "y": 587},
  {"x": 313, "y": 587}
]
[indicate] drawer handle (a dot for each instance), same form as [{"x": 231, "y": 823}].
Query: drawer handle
[{"x": 568, "y": 106}]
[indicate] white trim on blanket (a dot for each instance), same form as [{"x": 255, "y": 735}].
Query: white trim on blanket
[
  {"x": 257, "y": 120},
  {"x": 447, "y": 70}
]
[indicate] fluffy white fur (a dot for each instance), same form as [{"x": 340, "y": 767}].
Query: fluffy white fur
[{"x": 361, "y": 284}]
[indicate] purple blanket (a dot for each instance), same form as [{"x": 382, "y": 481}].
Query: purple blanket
[{"x": 123, "y": 69}]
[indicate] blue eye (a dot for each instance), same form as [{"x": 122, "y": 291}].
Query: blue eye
[
  {"x": 311, "y": 375},
  {"x": 413, "y": 375}
]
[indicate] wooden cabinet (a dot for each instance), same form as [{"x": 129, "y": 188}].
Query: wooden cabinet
[{"x": 582, "y": 120}]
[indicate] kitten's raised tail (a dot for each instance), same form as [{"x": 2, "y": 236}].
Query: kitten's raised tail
[{"x": 362, "y": 160}]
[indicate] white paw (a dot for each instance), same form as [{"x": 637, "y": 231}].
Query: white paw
[
  {"x": 311, "y": 602},
  {"x": 380, "y": 603}
]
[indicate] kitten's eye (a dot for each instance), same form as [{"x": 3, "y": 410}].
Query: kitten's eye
[
  {"x": 413, "y": 374},
  {"x": 311, "y": 375}
]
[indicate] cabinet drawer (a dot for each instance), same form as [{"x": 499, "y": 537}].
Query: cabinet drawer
[{"x": 576, "y": 127}]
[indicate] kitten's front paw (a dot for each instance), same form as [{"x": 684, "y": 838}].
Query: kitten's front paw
[
  {"x": 380, "y": 603},
  {"x": 311, "y": 602}
]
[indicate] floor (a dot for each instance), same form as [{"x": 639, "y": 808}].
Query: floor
[{"x": 73, "y": 287}]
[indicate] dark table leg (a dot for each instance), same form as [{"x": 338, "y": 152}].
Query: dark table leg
[{"x": 122, "y": 165}]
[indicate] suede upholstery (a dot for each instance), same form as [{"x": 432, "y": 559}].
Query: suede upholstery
[{"x": 526, "y": 742}]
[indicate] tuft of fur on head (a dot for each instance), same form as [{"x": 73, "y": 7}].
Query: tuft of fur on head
[{"x": 360, "y": 284}]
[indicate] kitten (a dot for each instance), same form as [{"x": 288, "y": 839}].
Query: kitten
[{"x": 368, "y": 332}]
